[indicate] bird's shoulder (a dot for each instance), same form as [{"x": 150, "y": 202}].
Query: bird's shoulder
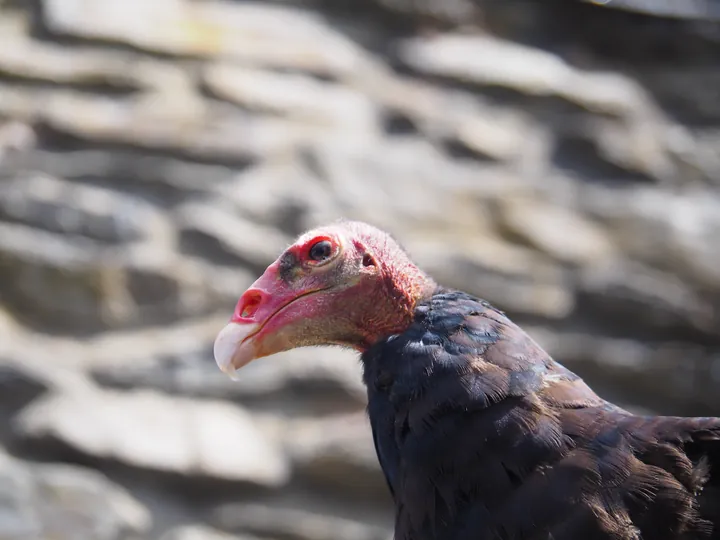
[{"x": 462, "y": 348}]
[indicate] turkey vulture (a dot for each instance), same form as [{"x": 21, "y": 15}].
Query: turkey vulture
[{"x": 478, "y": 431}]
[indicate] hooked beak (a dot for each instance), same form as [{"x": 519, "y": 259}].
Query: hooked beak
[
  {"x": 232, "y": 348},
  {"x": 259, "y": 325}
]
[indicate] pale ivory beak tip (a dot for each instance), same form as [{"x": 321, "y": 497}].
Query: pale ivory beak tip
[{"x": 227, "y": 345}]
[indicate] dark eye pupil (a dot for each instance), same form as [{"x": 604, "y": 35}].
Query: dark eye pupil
[{"x": 320, "y": 251}]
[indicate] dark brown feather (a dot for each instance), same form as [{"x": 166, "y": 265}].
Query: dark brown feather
[{"x": 481, "y": 435}]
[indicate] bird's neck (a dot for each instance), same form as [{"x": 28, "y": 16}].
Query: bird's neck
[
  {"x": 406, "y": 285},
  {"x": 391, "y": 304}
]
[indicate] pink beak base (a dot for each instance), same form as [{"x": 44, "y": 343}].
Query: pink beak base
[{"x": 234, "y": 346}]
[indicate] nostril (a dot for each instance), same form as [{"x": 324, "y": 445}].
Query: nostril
[{"x": 248, "y": 304}]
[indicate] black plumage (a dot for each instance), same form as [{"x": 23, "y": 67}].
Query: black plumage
[{"x": 481, "y": 435}]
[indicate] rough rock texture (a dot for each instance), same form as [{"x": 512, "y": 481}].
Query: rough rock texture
[
  {"x": 146, "y": 430},
  {"x": 65, "y": 502},
  {"x": 199, "y": 532},
  {"x": 559, "y": 158}
]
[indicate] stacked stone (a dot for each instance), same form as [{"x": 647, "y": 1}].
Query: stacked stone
[{"x": 156, "y": 156}]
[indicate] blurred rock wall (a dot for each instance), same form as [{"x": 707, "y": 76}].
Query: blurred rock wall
[{"x": 560, "y": 159}]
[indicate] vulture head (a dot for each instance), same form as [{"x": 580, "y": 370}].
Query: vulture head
[{"x": 346, "y": 284}]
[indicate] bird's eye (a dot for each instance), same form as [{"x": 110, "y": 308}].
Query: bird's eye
[{"x": 320, "y": 251}]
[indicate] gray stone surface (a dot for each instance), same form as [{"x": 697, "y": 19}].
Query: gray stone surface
[
  {"x": 276, "y": 36},
  {"x": 297, "y": 96},
  {"x": 292, "y": 524},
  {"x": 520, "y": 68},
  {"x": 201, "y": 532},
  {"x": 319, "y": 380},
  {"x": 65, "y": 502},
  {"x": 149, "y": 430},
  {"x": 156, "y": 156},
  {"x": 74, "y": 210},
  {"x": 336, "y": 453}
]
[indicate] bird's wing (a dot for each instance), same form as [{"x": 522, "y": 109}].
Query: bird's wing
[
  {"x": 475, "y": 423},
  {"x": 537, "y": 438},
  {"x": 482, "y": 435},
  {"x": 641, "y": 471},
  {"x": 527, "y": 367}
]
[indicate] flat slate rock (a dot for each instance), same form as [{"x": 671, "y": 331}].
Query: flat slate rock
[
  {"x": 202, "y": 532},
  {"x": 294, "y": 524},
  {"x": 65, "y": 502},
  {"x": 148, "y": 430},
  {"x": 250, "y": 31}
]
